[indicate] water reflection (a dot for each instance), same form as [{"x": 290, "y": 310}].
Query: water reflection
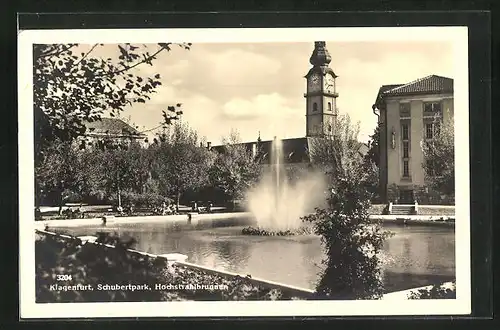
[{"x": 414, "y": 256}]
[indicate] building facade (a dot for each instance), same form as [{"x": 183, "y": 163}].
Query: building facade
[{"x": 409, "y": 114}]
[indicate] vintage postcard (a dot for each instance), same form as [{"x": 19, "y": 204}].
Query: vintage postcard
[{"x": 244, "y": 172}]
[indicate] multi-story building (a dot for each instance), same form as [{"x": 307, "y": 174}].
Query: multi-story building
[{"x": 409, "y": 114}]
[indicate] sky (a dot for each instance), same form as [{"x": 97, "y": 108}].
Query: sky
[{"x": 259, "y": 87}]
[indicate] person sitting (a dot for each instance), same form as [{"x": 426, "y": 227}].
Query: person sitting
[
  {"x": 119, "y": 209},
  {"x": 80, "y": 211}
]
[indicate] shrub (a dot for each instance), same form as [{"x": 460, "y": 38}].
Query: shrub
[
  {"x": 435, "y": 292},
  {"x": 144, "y": 200},
  {"x": 353, "y": 242},
  {"x": 93, "y": 264}
]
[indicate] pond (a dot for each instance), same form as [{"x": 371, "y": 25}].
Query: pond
[{"x": 414, "y": 256}]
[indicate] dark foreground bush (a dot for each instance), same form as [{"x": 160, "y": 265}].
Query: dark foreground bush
[
  {"x": 435, "y": 292},
  {"x": 257, "y": 231},
  {"x": 74, "y": 271}
]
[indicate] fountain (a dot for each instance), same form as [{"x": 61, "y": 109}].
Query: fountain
[{"x": 278, "y": 204}]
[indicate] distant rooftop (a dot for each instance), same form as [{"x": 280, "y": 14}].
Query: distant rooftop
[
  {"x": 111, "y": 126},
  {"x": 295, "y": 150}
]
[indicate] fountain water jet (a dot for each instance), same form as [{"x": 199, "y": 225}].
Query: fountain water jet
[{"x": 278, "y": 204}]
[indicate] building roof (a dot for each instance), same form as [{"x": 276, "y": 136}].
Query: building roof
[
  {"x": 432, "y": 84},
  {"x": 295, "y": 150},
  {"x": 110, "y": 126}
]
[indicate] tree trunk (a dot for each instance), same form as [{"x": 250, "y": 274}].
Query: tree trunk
[
  {"x": 118, "y": 190},
  {"x": 119, "y": 197},
  {"x": 61, "y": 199},
  {"x": 178, "y": 201}
]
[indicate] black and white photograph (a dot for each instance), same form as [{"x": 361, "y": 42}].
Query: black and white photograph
[{"x": 244, "y": 172}]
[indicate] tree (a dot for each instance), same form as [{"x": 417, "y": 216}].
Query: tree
[
  {"x": 234, "y": 170},
  {"x": 353, "y": 242},
  {"x": 180, "y": 164},
  {"x": 373, "y": 154},
  {"x": 439, "y": 157},
  {"x": 70, "y": 88},
  {"x": 72, "y": 85},
  {"x": 59, "y": 173},
  {"x": 371, "y": 161}
]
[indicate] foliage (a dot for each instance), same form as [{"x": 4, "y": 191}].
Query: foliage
[
  {"x": 353, "y": 242},
  {"x": 256, "y": 231},
  {"x": 180, "y": 163},
  {"x": 112, "y": 168},
  {"x": 59, "y": 172},
  {"x": 373, "y": 154},
  {"x": 74, "y": 84},
  {"x": 371, "y": 162},
  {"x": 439, "y": 158},
  {"x": 234, "y": 170},
  {"x": 93, "y": 264},
  {"x": 435, "y": 292},
  {"x": 142, "y": 200}
]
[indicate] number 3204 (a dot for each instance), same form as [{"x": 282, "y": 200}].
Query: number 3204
[{"x": 63, "y": 277}]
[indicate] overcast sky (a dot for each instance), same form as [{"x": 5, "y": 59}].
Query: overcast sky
[{"x": 254, "y": 87}]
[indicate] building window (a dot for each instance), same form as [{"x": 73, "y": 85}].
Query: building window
[
  {"x": 406, "y": 149},
  {"x": 404, "y": 109},
  {"x": 431, "y": 167},
  {"x": 431, "y": 130},
  {"x": 406, "y": 169},
  {"x": 329, "y": 106},
  {"x": 405, "y": 132},
  {"x": 315, "y": 106},
  {"x": 432, "y": 108},
  {"x": 428, "y": 131}
]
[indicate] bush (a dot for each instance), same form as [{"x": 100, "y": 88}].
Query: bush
[
  {"x": 353, "y": 267},
  {"x": 256, "y": 231},
  {"x": 93, "y": 264},
  {"x": 435, "y": 292},
  {"x": 144, "y": 200}
]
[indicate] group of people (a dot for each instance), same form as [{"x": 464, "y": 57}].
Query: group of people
[
  {"x": 129, "y": 209},
  {"x": 200, "y": 209},
  {"x": 168, "y": 209}
]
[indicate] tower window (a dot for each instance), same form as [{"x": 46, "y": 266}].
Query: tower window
[
  {"x": 315, "y": 106},
  {"x": 329, "y": 106}
]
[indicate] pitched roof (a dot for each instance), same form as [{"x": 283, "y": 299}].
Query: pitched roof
[
  {"x": 385, "y": 88},
  {"x": 432, "y": 84},
  {"x": 111, "y": 126}
]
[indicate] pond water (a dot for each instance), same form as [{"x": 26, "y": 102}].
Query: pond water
[{"x": 414, "y": 256}]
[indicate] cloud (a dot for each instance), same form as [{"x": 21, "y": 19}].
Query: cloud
[
  {"x": 263, "y": 106},
  {"x": 259, "y": 87}
]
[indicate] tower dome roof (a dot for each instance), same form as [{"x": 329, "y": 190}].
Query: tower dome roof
[{"x": 320, "y": 55}]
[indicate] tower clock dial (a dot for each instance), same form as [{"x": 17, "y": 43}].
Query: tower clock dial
[
  {"x": 329, "y": 84},
  {"x": 314, "y": 83}
]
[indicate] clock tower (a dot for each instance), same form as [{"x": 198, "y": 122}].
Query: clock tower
[{"x": 321, "y": 96}]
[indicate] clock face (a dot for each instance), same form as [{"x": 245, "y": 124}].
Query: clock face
[
  {"x": 329, "y": 84},
  {"x": 314, "y": 83}
]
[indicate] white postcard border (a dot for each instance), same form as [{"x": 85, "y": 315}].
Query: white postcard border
[{"x": 29, "y": 309}]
